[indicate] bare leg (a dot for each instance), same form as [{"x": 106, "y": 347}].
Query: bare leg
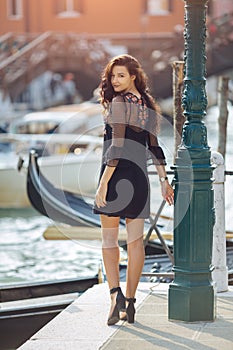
[
  {"x": 110, "y": 249},
  {"x": 136, "y": 254},
  {"x": 111, "y": 253}
]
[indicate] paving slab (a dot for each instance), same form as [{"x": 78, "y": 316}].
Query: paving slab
[{"x": 82, "y": 325}]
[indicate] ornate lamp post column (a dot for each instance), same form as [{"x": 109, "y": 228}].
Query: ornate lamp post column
[{"x": 192, "y": 294}]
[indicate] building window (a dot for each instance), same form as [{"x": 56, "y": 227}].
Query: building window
[
  {"x": 159, "y": 7},
  {"x": 68, "y": 8},
  {"x": 14, "y": 9}
]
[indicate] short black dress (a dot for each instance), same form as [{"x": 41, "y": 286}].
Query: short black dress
[{"x": 128, "y": 141}]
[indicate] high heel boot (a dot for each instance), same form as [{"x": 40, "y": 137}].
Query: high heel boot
[
  {"x": 120, "y": 306},
  {"x": 130, "y": 310}
]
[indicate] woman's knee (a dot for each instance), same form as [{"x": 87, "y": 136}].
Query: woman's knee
[
  {"x": 135, "y": 230},
  {"x": 110, "y": 230},
  {"x": 110, "y": 237}
]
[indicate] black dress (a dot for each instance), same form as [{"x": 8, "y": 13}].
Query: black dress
[{"x": 127, "y": 143}]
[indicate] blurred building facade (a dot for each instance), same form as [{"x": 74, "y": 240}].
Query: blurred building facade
[
  {"x": 79, "y": 36},
  {"x": 90, "y": 16},
  {"x": 98, "y": 17}
]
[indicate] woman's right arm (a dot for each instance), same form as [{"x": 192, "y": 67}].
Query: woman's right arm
[
  {"x": 113, "y": 154},
  {"x": 100, "y": 197}
]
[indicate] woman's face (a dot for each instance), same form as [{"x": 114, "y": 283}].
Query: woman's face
[{"x": 121, "y": 80}]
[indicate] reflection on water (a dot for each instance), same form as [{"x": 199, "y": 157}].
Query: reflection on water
[{"x": 26, "y": 256}]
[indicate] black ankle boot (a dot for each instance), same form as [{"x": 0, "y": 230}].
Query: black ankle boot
[
  {"x": 120, "y": 306},
  {"x": 130, "y": 310}
]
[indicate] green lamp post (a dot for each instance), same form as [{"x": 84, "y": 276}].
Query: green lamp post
[{"x": 192, "y": 293}]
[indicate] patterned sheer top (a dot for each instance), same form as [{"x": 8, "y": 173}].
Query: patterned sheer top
[{"x": 129, "y": 111}]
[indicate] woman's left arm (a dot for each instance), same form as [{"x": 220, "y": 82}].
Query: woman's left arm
[{"x": 159, "y": 161}]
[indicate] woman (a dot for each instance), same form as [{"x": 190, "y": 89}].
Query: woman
[{"x": 131, "y": 120}]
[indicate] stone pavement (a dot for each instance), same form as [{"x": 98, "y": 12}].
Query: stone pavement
[{"x": 82, "y": 325}]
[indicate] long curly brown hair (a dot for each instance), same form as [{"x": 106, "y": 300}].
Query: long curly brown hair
[{"x": 141, "y": 82}]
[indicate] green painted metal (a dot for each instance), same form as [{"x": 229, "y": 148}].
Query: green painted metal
[{"x": 192, "y": 293}]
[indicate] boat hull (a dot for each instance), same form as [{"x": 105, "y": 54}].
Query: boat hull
[
  {"x": 25, "y": 308},
  {"x": 68, "y": 172},
  {"x": 20, "y": 325}
]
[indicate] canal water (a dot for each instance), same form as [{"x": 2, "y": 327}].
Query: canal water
[{"x": 26, "y": 256}]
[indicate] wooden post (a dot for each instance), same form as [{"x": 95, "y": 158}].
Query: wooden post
[
  {"x": 178, "y": 117},
  {"x": 223, "y": 114}
]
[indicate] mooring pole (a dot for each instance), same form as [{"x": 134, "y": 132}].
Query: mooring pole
[
  {"x": 219, "y": 256},
  {"x": 223, "y": 114},
  {"x": 192, "y": 293},
  {"x": 178, "y": 117}
]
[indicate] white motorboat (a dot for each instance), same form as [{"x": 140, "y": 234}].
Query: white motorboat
[
  {"x": 71, "y": 162},
  {"x": 81, "y": 118},
  {"x": 62, "y": 135}
]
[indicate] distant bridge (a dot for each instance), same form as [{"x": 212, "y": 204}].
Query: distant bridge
[{"x": 24, "y": 57}]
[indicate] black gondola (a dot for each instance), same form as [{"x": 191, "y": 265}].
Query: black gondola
[
  {"x": 26, "y": 307},
  {"x": 65, "y": 207},
  {"x": 57, "y": 204}
]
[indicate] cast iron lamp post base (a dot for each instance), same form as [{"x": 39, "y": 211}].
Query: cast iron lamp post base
[{"x": 192, "y": 293}]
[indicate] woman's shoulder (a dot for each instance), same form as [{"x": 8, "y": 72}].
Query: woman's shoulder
[
  {"x": 118, "y": 98},
  {"x": 127, "y": 97},
  {"x": 132, "y": 98}
]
